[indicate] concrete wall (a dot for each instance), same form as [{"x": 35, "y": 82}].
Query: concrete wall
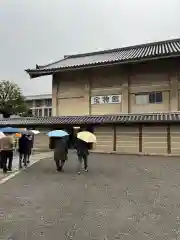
[{"x": 72, "y": 90}]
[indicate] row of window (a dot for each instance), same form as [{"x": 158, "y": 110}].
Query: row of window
[
  {"x": 42, "y": 112},
  {"x": 145, "y": 98},
  {"x": 40, "y": 103}
]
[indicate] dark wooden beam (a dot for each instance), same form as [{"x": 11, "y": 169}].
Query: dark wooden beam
[
  {"x": 114, "y": 137},
  {"x": 140, "y": 137},
  {"x": 168, "y": 138}
]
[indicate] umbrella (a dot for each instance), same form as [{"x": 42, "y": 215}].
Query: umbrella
[
  {"x": 57, "y": 133},
  {"x": 27, "y": 132},
  {"x": 2, "y": 135},
  {"x": 86, "y": 137},
  {"x": 11, "y": 130},
  {"x": 35, "y": 131}
]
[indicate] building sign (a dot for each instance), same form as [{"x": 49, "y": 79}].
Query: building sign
[{"x": 107, "y": 99}]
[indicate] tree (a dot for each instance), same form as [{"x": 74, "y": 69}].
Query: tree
[{"x": 11, "y": 99}]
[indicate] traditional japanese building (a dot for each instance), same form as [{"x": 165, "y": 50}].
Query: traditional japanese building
[{"x": 128, "y": 96}]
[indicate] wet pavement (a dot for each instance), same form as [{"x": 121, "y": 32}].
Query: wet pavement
[
  {"x": 121, "y": 197},
  {"x": 15, "y": 163}
]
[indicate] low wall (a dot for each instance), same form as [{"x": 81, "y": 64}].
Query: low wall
[
  {"x": 139, "y": 139},
  {"x": 130, "y": 139}
]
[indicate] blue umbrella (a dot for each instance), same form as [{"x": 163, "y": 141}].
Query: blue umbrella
[
  {"x": 11, "y": 130},
  {"x": 57, "y": 133}
]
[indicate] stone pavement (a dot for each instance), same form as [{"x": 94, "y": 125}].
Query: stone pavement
[
  {"x": 34, "y": 158},
  {"x": 121, "y": 197}
]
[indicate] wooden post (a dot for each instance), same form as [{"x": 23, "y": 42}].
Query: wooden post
[
  {"x": 90, "y": 75},
  {"x": 168, "y": 138},
  {"x": 90, "y": 86},
  {"x": 140, "y": 137},
  {"x": 114, "y": 137}
]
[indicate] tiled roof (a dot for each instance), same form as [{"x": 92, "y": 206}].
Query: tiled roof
[
  {"x": 169, "y": 48},
  {"x": 103, "y": 119}
]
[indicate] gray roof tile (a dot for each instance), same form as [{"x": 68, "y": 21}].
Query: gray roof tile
[
  {"x": 103, "y": 119},
  {"x": 127, "y": 54}
]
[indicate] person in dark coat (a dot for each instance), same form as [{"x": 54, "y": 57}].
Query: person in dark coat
[
  {"x": 82, "y": 153},
  {"x": 31, "y": 143},
  {"x": 60, "y": 152},
  {"x": 24, "y": 149}
]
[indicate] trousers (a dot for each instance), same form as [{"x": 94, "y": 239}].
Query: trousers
[
  {"x": 82, "y": 158},
  {"x": 23, "y": 157},
  {"x": 7, "y": 157},
  {"x": 59, "y": 164}
]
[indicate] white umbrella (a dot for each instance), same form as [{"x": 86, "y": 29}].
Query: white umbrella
[
  {"x": 2, "y": 135},
  {"x": 35, "y": 131}
]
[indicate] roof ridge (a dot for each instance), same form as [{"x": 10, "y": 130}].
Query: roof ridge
[
  {"x": 49, "y": 64},
  {"x": 122, "y": 48},
  {"x": 109, "y": 51}
]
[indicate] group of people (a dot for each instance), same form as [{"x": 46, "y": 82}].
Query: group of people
[
  {"x": 7, "y": 147},
  {"x": 24, "y": 147},
  {"x": 60, "y": 147}
]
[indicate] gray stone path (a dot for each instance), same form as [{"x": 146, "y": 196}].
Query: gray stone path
[
  {"x": 15, "y": 164},
  {"x": 122, "y": 197}
]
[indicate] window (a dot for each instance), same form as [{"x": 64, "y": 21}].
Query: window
[
  {"x": 155, "y": 97},
  {"x": 48, "y": 102},
  {"x": 40, "y": 113},
  {"x": 50, "y": 112},
  {"x": 36, "y": 112},
  {"x": 38, "y": 103},
  {"x": 142, "y": 98},
  {"x": 46, "y": 112},
  {"x": 152, "y": 97}
]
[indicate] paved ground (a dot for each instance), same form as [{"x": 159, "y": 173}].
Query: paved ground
[
  {"x": 15, "y": 165},
  {"x": 122, "y": 197}
]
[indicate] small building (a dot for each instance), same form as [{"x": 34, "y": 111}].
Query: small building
[
  {"x": 130, "y": 97},
  {"x": 40, "y": 105}
]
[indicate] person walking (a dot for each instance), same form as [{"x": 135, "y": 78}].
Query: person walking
[
  {"x": 6, "y": 146},
  {"x": 30, "y": 146},
  {"x": 82, "y": 154},
  {"x": 24, "y": 149},
  {"x": 60, "y": 152}
]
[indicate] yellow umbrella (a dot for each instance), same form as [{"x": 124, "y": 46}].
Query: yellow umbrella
[{"x": 86, "y": 137}]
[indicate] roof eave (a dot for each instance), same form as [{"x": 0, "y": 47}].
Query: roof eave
[{"x": 34, "y": 73}]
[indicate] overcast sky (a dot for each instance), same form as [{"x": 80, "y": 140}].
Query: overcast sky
[{"x": 41, "y": 31}]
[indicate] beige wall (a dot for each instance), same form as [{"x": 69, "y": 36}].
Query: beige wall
[
  {"x": 72, "y": 90},
  {"x": 107, "y": 81},
  {"x": 175, "y": 139},
  {"x": 72, "y": 94},
  {"x": 148, "y": 82},
  {"x": 105, "y": 136},
  {"x": 41, "y": 141},
  {"x": 127, "y": 139},
  {"x": 154, "y": 139}
]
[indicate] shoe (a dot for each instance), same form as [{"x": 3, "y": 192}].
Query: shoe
[
  {"x": 79, "y": 173},
  {"x": 86, "y": 170},
  {"x": 9, "y": 169}
]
